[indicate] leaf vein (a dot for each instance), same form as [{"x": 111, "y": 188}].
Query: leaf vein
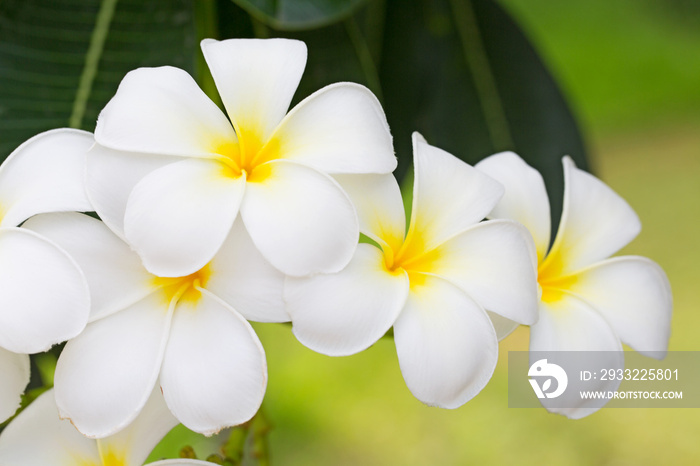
[{"x": 92, "y": 60}]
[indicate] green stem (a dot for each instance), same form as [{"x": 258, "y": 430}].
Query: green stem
[
  {"x": 260, "y": 427},
  {"x": 46, "y": 363},
  {"x": 92, "y": 60},
  {"x": 206, "y": 24},
  {"x": 364, "y": 55},
  {"x": 234, "y": 448},
  {"x": 475, "y": 55}
]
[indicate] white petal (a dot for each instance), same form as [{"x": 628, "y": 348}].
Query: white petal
[
  {"x": 595, "y": 222},
  {"x": 136, "y": 442},
  {"x": 105, "y": 375},
  {"x": 214, "y": 373},
  {"x": 242, "y": 277},
  {"x": 163, "y": 111},
  {"x": 15, "y": 377},
  {"x": 113, "y": 271},
  {"x": 493, "y": 262},
  {"x": 448, "y": 195},
  {"x": 380, "y": 211},
  {"x": 338, "y": 129},
  {"x": 178, "y": 216},
  {"x": 346, "y": 312},
  {"x": 45, "y": 174},
  {"x": 256, "y": 79},
  {"x": 446, "y": 344},
  {"x": 300, "y": 219},
  {"x": 634, "y": 296},
  {"x": 111, "y": 175},
  {"x": 44, "y": 298},
  {"x": 38, "y": 437},
  {"x": 525, "y": 199},
  {"x": 503, "y": 326},
  {"x": 570, "y": 324}
]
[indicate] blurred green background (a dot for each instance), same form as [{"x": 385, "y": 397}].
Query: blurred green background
[{"x": 631, "y": 71}]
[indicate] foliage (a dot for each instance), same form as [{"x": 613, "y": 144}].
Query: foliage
[{"x": 459, "y": 71}]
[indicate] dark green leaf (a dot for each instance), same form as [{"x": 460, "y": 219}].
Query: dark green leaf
[
  {"x": 332, "y": 58},
  {"x": 295, "y": 15},
  {"x": 463, "y": 74},
  {"x": 460, "y": 72},
  {"x": 62, "y": 60}
]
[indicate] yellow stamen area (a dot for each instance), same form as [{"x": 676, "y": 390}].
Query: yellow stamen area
[
  {"x": 393, "y": 237},
  {"x": 183, "y": 289},
  {"x": 554, "y": 282},
  {"x": 246, "y": 155},
  {"x": 111, "y": 459},
  {"x": 108, "y": 458},
  {"x": 260, "y": 174},
  {"x": 411, "y": 257},
  {"x": 416, "y": 280},
  {"x": 82, "y": 462}
]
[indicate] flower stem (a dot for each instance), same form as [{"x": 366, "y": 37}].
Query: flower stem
[
  {"x": 234, "y": 447},
  {"x": 260, "y": 427}
]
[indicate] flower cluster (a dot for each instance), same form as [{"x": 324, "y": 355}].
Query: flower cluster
[{"x": 210, "y": 220}]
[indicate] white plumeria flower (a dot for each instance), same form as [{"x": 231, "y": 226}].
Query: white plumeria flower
[
  {"x": 589, "y": 302},
  {"x": 44, "y": 298},
  {"x": 431, "y": 283},
  {"x": 182, "y": 332},
  {"x": 170, "y": 172},
  {"x": 37, "y": 436}
]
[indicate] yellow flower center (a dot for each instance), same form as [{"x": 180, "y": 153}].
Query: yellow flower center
[
  {"x": 551, "y": 277},
  {"x": 247, "y": 155},
  {"x": 411, "y": 256},
  {"x": 183, "y": 289},
  {"x": 110, "y": 458}
]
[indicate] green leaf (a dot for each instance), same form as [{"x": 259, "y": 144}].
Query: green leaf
[
  {"x": 461, "y": 72},
  {"x": 295, "y": 15},
  {"x": 62, "y": 60},
  {"x": 464, "y": 74}
]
